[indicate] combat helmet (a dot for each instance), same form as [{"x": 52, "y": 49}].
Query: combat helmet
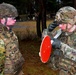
[
  {"x": 65, "y": 15},
  {"x": 7, "y": 10}
]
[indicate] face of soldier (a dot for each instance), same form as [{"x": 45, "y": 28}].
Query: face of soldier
[
  {"x": 10, "y": 22},
  {"x": 67, "y": 27}
]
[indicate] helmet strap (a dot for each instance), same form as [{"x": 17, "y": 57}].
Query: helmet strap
[{"x": 5, "y": 21}]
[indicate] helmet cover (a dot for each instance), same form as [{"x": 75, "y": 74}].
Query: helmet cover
[
  {"x": 66, "y": 15},
  {"x": 7, "y": 10}
]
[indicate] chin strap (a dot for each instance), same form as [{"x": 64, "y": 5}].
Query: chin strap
[
  {"x": 5, "y": 21},
  {"x": 10, "y": 27}
]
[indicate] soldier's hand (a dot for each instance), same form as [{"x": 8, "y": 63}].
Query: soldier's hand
[{"x": 56, "y": 44}]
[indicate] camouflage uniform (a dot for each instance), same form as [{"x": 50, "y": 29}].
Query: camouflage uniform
[
  {"x": 7, "y": 10},
  {"x": 2, "y": 56},
  {"x": 67, "y": 15},
  {"x": 10, "y": 55},
  {"x": 64, "y": 58}
]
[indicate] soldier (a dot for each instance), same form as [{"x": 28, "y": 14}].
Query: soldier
[
  {"x": 64, "y": 55},
  {"x": 11, "y": 59}
]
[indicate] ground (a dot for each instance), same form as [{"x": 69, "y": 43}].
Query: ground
[
  {"x": 29, "y": 47},
  {"x": 33, "y": 64}
]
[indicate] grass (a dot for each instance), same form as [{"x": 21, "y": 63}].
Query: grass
[
  {"x": 28, "y": 30},
  {"x": 33, "y": 65}
]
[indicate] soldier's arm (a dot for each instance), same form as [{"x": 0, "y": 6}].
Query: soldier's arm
[
  {"x": 2, "y": 56},
  {"x": 68, "y": 51},
  {"x": 67, "y": 57},
  {"x": 50, "y": 30}
]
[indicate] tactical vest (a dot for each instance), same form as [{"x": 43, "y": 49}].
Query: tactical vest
[{"x": 13, "y": 57}]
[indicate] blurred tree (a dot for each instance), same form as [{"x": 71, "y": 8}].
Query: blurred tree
[
  {"x": 52, "y": 5},
  {"x": 40, "y": 16},
  {"x": 40, "y": 8},
  {"x": 67, "y": 3},
  {"x": 74, "y": 3}
]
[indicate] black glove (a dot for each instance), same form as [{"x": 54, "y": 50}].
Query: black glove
[
  {"x": 52, "y": 26},
  {"x": 56, "y": 44}
]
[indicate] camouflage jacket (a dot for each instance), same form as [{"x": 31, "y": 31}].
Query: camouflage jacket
[
  {"x": 67, "y": 39},
  {"x": 68, "y": 42},
  {"x": 67, "y": 60},
  {"x": 13, "y": 57},
  {"x": 2, "y": 56}
]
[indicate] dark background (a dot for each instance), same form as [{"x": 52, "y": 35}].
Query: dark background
[{"x": 32, "y": 6}]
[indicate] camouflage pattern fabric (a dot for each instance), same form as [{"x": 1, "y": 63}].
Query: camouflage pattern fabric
[
  {"x": 67, "y": 59},
  {"x": 7, "y": 10},
  {"x": 2, "y": 56},
  {"x": 14, "y": 59},
  {"x": 65, "y": 37},
  {"x": 66, "y": 14},
  {"x": 68, "y": 48},
  {"x": 69, "y": 39},
  {"x": 67, "y": 65},
  {"x": 69, "y": 52}
]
